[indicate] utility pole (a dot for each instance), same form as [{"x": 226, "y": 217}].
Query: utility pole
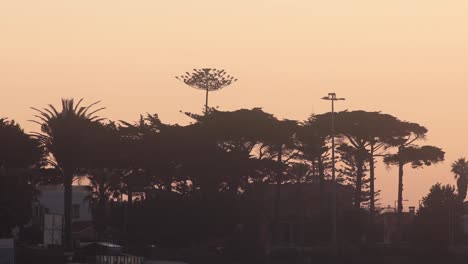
[{"x": 332, "y": 97}]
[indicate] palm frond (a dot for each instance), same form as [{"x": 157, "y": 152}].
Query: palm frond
[
  {"x": 91, "y": 105},
  {"x": 95, "y": 111},
  {"x": 77, "y": 104},
  {"x": 56, "y": 113}
]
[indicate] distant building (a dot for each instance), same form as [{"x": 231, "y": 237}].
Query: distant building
[
  {"x": 388, "y": 220},
  {"x": 51, "y": 201}
]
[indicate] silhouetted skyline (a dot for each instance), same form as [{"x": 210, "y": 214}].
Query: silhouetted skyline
[{"x": 402, "y": 58}]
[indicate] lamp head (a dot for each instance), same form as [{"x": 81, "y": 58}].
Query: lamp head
[{"x": 332, "y": 97}]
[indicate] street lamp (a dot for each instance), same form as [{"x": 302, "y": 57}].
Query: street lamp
[{"x": 332, "y": 97}]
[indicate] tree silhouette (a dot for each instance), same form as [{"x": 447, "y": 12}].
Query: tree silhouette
[
  {"x": 66, "y": 135},
  {"x": 241, "y": 130},
  {"x": 300, "y": 172},
  {"x": 245, "y": 137},
  {"x": 281, "y": 146},
  {"x": 460, "y": 169},
  {"x": 312, "y": 139},
  {"x": 409, "y": 133},
  {"x": 224, "y": 155},
  {"x": 370, "y": 134},
  {"x": 348, "y": 172},
  {"x": 143, "y": 153},
  {"x": 19, "y": 150},
  {"x": 382, "y": 129},
  {"x": 437, "y": 223},
  {"x": 208, "y": 80},
  {"x": 313, "y": 142},
  {"x": 103, "y": 185},
  {"x": 20, "y": 156},
  {"x": 417, "y": 157},
  {"x": 245, "y": 132},
  {"x": 366, "y": 133},
  {"x": 351, "y": 126}
]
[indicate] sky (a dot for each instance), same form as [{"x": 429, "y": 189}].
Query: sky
[{"x": 405, "y": 58}]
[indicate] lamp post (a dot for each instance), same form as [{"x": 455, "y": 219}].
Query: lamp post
[{"x": 332, "y": 97}]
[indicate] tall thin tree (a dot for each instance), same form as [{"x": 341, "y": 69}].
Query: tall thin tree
[
  {"x": 418, "y": 157},
  {"x": 460, "y": 169},
  {"x": 207, "y": 79},
  {"x": 65, "y": 136}
]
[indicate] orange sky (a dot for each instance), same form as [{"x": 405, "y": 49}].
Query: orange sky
[{"x": 406, "y": 58}]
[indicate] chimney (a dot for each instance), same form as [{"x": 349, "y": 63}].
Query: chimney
[{"x": 412, "y": 210}]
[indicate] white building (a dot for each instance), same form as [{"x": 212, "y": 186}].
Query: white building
[{"x": 51, "y": 201}]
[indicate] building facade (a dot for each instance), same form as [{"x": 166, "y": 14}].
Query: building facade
[{"x": 50, "y": 201}]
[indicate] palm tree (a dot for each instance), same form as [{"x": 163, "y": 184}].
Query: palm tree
[
  {"x": 65, "y": 135},
  {"x": 300, "y": 172},
  {"x": 460, "y": 169}
]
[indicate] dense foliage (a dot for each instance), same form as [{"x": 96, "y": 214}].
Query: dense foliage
[
  {"x": 437, "y": 223},
  {"x": 176, "y": 185}
]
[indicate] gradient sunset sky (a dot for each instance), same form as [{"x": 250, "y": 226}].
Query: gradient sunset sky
[{"x": 405, "y": 58}]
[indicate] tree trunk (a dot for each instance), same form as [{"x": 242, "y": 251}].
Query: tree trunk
[
  {"x": 314, "y": 168},
  {"x": 130, "y": 195},
  {"x": 359, "y": 175},
  {"x": 371, "y": 227},
  {"x": 323, "y": 213},
  {"x": 400, "y": 194},
  {"x": 321, "y": 171},
  {"x": 303, "y": 209},
  {"x": 68, "y": 179},
  {"x": 461, "y": 188},
  {"x": 128, "y": 208},
  {"x": 277, "y": 215},
  {"x": 101, "y": 213},
  {"x": 400, "y": 187},
  {"x": 372, "y": 183}
]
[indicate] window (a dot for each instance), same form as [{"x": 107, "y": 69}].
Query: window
[{"x": 76, "y": 211}]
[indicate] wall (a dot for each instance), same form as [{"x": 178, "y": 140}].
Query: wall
[{"x": 52, "y": 198}]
